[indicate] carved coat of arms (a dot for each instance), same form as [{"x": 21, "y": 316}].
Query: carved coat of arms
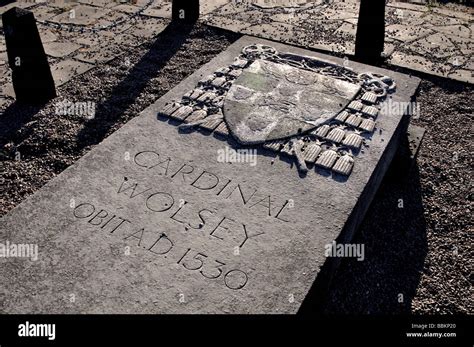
[
  {"x": 272, "y": 101},
  {"x": 317, "y": 111}
]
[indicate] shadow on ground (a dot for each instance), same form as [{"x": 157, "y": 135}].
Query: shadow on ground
[
  {"x": 123, "y": 95},
  {"x": 14, "y": 117},
  {"x": 394, "y": 235}
]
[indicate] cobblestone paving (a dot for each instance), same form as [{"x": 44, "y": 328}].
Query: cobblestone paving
[
  {"x": 434, "y": 40},
  {"x": 79, "y": 35}
]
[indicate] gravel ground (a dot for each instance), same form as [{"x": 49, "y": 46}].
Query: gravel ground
[
  {"x": 419, "y": 253},
  {"x": 417, "y": 257},
  {"x": 47, "y": 143}
]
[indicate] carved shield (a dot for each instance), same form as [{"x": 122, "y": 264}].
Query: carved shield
[{"x": 271, "y": 101}]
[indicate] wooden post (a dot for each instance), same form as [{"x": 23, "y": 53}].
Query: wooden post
[
  {"x": 31, "y": 75},
  {"x": 370, "y": 32}
]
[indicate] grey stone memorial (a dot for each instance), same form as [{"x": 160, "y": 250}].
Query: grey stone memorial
[{"x": 163, "y": 217}]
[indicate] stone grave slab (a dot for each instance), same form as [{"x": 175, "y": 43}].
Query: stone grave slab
[{"x": 165, "y": 216}]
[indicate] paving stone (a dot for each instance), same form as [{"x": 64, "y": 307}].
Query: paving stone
[
  {"x": 465, "y": 16},
  {"x": 48, "y": 35},
  {"x": 126, "y": 22},
  {"x": 347, "y": 28},
  {"x": 227, "y": 23},
  {"x": 457, "y": 30},
  {"x": 232, "y": 8},
  {"x": 9, "y": 6},
  {"x": 211, "y": 5},
  {"x": 126, "y": 8},
  {"x": 414, "y": 62},
  {"x": 406, "y": 33},
  {"x": 283, "y": 3},
  {"x": 64, "y": 70},
  {"x": 91, "y": 39},
  {"x": 352, "y": 21},
  {"x": 6, "y": 88},
  {"x": 102, "y": 3},
  {"x": 437, "y": 45},
  {"x": 177, "y": 221},
  {"x": 281, "y": 32},
  {"x": 3, "y": 58},
  {"x": 44, "y": 13},
  {"x": 121, "y": 39},
  {"x": 420, "y": 63},
  {"x": 466, "y": 46},
  {"x": 289, "y": 18},
  {"x": 98, "y": 54},
  {"x": 82, "y": 15},
  {"x": 2, "y": 42},
  {"x": 157, "y": 13},
  {"x": 408, "y": 6},
  {"x": 470, "y": 65},
  {"x": 346, "y": 48},
  {"x": 147, "y": 29},
  {"x": 463, "y": 75},
  {"x": 434, "y": 20},
  {"x": 342, "y": 15},
  {"x": 457, "y": 61},
  {"x": 408, "y": 17},
  {"x": 60, "y": 49}
]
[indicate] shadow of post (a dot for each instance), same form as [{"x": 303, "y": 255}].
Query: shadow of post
[
  {"x": 14, "y": 117},
  {"x": 123, "y": 95},
  {"x": 394, "y": 236}
]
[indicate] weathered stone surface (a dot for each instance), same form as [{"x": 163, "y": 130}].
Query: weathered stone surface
[
  {"x": 211, "y": 5},
  {"x": 228, "y": 23},
  {"x": 81, "y": 14},
  {"x": 406, "y": 33},
  {"x": 147, "y": 29},
  {"x": 98, "y": 54},
  {"x": 271, "y": 101},
  {"x": 437, "y": 45},
  {"x": 462, "y": 75},
  {"x": 67, "y": 69},
  {"x": 60, "y": 49},
  {"x": 334, "y": 22},
  {"x": 152, "y": 220},
  {"x": 418, "y": 63},
  {"x": 3, "y": 58}
]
